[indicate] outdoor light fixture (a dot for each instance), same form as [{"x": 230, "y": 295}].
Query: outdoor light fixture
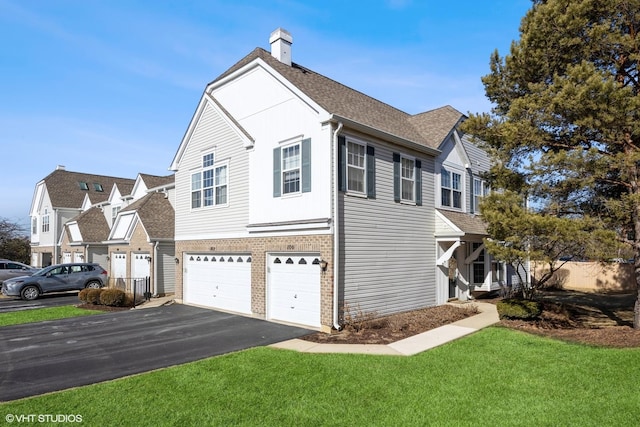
[
  {"x": 177, "y": 260},
  {"x": 323, "y": 265}
]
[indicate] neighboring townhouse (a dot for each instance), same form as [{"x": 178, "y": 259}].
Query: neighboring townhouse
[
  {"x": 58, "y": 198},
  {"x": 140, "y": 243},
  {"x": 299, "y": 198},
  {"x": 84, "y": 238}
]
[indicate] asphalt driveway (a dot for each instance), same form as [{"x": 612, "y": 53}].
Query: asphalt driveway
[{"x": 55, "y": 355}]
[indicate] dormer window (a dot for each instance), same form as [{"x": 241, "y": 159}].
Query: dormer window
[
  {"x": 98, "y": 187},
  {"x": 83, "y": 186}
]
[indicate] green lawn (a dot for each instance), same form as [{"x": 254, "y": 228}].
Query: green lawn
[
  {"x": 40, "y": 314},
  {"x": 496, "y": 377}
]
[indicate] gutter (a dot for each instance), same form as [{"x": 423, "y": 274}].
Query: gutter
[{"x": 336, "y": 229}]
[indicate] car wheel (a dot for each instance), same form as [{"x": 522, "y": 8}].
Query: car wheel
[
  {"x": 29, "y": 293},
  {"x": 94, "y": 285}
]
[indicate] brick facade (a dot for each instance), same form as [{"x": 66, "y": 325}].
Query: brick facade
[{"x": 260, "y": 248}]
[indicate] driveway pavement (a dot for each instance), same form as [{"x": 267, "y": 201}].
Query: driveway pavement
[{"x": 55, "y": 355}]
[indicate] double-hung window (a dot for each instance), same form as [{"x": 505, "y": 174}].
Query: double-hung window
[
  {"x": 407, "y": 179},
  {"x": 209, "y": 185},
  {"x": 356, "y": 169},
  {"x": 451, "y": 189},
  {"x": 291, "y": 169},
  {"x": 45, "y": 221},
  {"x": 479, "y": 191}
]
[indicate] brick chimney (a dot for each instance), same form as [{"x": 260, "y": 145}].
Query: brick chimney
[{"x": 281, "y": 41}]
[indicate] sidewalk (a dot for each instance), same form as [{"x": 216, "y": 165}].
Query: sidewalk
[
  {"x": 409, "y": 346},
  {"x": 156, "y": 302}
]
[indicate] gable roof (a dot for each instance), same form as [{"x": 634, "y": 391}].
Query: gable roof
[
  {"x": 467, "y": 223},
  {"x": 65, "y": 192},
  {"x": 92, "y": 225},
  {"x": 424, "y": 129},
  {"x": 156, "y": 214},
  {"x": 154, "y": 181}
]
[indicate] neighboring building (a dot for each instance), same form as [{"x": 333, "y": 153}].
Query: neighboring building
[
  {"x": 298, "y": 198},
  {"x": 140, "y": 242},
  {"x": 58, "y": 198}
]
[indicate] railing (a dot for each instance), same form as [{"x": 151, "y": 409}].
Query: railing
[{"x": 139, "y": 287}]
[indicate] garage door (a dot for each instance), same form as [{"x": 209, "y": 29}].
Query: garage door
[
  {"x": 294, "y": 289},
  {"x": 221, "y": 281}
]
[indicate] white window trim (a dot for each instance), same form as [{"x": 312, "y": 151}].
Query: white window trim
[
  {"x": 363, "y": 168},
  {"x": 413, "y": 180},
  {"x": 476, "y": 197},
  {"x": 283, "y": 147},
  {"x": 462, "y": 191},
  {"x": 200, "y": 170}
]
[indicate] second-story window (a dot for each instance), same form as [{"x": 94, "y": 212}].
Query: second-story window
[
  {"x": 114, "y": 213},
  {"x": 479, "y": 191},
  {"x": 408, "y": 179},
  {"x": 34, "y": 225},
  {"x": 451, "y": 189},
  {"x": 45, "y": 221},
  {"x": 291, "y": 169},
  {"x": 209, "y": 185}
]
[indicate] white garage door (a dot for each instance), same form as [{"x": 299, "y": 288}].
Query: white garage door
[
  {"x": 220, "y": 281},
  {"x": 119, "y": 269},
  {"x": 294, "y": 289}
]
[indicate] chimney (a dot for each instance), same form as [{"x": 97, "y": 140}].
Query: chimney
[
  {"x": 60, "y": 168},
  {"x": 281, "y": 41}
]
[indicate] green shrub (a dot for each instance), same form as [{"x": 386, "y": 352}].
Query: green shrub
[
  {"x": 112, "y": 297},
  {"x": 93, "y": 295},
  {"x": 519, "y": 309},
  {"x": 82, "y": 295}
]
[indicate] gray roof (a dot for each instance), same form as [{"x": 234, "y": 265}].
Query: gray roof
[
  {"x": 65, "y": 192},
  {"x": 428, "y": 129},
  {"x": 157, "y": 215},
  {"x": 468, "y": 223}
]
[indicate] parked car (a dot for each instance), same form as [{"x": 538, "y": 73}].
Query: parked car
[
  {"x": 56, "y": 278},
  {"x": 9, "y": 269}
]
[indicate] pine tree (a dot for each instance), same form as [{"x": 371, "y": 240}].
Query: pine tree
[{"x": 565, "y": 124}]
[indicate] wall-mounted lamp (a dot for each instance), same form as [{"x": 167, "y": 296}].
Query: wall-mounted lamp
[
  {"x": 108, "y": 258},
  {"x": 148, "y": 258},
  {"x": 177, "y": 260},
  {"x": 323, "y": 265}
]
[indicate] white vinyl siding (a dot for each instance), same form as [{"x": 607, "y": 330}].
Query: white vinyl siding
[
  {"x": 232, "y": 185},
  {"x": 389, "y": 265}
]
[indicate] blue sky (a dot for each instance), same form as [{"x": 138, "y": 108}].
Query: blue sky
[{"x": 108, "y": 87}]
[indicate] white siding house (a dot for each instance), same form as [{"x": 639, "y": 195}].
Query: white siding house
[{"x": 298, "y": 198}]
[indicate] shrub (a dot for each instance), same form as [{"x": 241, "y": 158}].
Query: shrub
[
  {"x": 519, "y": 309},
  {"x": 82, "y": 295},
  {"x": 93, "y": 296},
  {"x": 112, "y": 297},
  {"x": 128, "y": 300}
]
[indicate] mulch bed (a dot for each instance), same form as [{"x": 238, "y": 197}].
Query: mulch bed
[
  {"x": 592, "y": 319},
  {"x": 385, "y": 330}
]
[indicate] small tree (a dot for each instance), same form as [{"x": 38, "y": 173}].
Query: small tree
[
  {"x": 14, "y": 244},
  {"x": 519, "y": 235}
]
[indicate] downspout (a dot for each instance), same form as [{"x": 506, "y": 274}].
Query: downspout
[
  {"x": 155, "y": 268},
  {"x": 336, "y": 230}
]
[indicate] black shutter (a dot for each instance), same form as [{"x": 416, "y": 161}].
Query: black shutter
[
  {"x": 342, "y": 163},
  {"x": 418, "y": 172},
  {"x": 371, "y": 172},
  {"x": 396, "y": 177}
]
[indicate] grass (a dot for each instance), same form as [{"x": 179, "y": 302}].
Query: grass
[
  {"x": 496, "y": 377},
  {"x": 41, "y": 314}
]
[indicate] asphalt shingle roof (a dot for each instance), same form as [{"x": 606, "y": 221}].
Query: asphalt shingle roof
[
  {"x": 93, "y": 225},
  {"x": 468, "y": 223},
  {"x": 65, "y": 192},
  {"x": 154, "y": 181},
  {"x": 428, "y": 129},
  {"x": 157, "y": 215}
]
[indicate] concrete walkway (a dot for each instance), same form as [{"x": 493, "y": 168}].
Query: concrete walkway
[{"x": 409, "y": 346}]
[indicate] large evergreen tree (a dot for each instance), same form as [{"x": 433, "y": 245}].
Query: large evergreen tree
[{"x": 565, "y": 125}]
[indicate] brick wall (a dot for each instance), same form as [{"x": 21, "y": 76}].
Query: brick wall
[{"x": 259, "y": 248}]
